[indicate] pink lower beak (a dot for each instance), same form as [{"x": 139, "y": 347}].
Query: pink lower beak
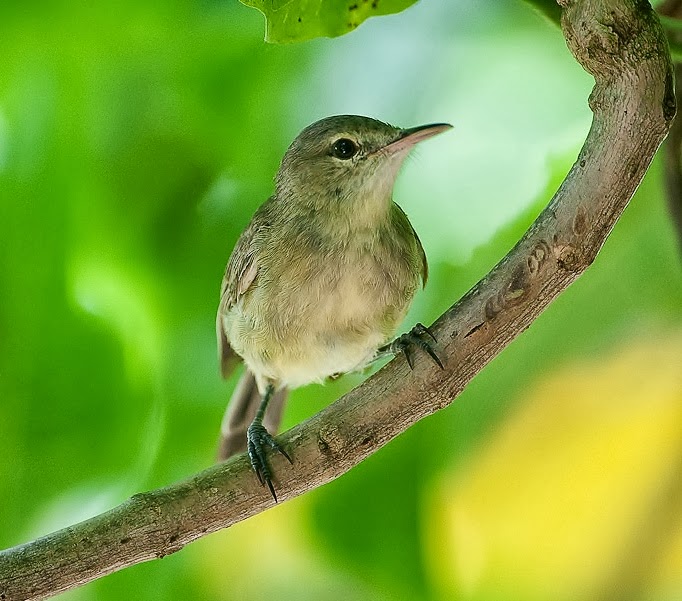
[{"x": 409, "y": 137}]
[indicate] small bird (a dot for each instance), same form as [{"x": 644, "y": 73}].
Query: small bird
[{"x": 321, "y": 278}]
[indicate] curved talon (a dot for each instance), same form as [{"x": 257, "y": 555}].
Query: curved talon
[
  {"x": 405, "y": 349},
  {"x": 420, "y": 328},
  {"x": 415, "y": 336},
  {"x": 257, "y": 436},
  {"x": 425, "y": 346}
]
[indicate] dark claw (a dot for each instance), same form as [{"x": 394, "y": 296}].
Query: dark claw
[
  {"x": 257, "y": 436},
  {"x": 415, "y": 336},
  {"x": 275, "y": 445},
  {"x": 272, "y": 490},
  {"x": 420, "y": 328},
  {"x": 405, "y": 348},
  {"x": 427, "y": 347}
]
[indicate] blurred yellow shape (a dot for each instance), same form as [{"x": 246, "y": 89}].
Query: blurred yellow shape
[
  {"x": 578, "y": 495},
  {"x": 273, "y": 557},
  {"x": 232, "y": 563}
]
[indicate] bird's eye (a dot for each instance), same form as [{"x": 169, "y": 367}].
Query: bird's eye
[{"x": 344, "y": 149}]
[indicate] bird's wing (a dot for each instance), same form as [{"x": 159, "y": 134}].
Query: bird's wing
[
  {"x": 240, "y": 274},
  {"x": 226, "y": 356},
  {"x": 405, "y": 223},
  {"x": 425, "y": 263}
]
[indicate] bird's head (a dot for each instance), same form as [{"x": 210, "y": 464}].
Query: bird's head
[{"x": 347, "y": 159}]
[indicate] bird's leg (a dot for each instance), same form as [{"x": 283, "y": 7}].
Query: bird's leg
[
  {"x": 257, "y": 437},
  {"x": 418, "y": 336}
]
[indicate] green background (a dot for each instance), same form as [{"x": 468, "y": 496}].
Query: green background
[{"x": 137, "y": 139}]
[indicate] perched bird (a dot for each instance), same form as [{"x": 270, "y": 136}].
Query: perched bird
[{"x": 322, "y": 277}]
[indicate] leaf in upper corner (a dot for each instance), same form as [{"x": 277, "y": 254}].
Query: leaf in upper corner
[
  {"x": 548, "y": 8},
  {"x": 298, "y": 20}
]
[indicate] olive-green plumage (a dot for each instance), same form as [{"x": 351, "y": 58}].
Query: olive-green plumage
[{"x": 327, "y": 268}]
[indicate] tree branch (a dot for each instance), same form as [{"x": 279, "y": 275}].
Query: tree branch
[{"x": 621, "y": 43}]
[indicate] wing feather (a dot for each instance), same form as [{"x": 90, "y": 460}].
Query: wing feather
[
  {"x": 404, "y": 222},
  {"x": 240, "y": 274}
]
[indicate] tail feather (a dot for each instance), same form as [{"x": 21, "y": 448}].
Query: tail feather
[{"x": 240, "y": 413}]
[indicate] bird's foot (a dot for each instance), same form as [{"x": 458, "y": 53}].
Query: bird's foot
[
  {"x": 258, "y": 438},
  {"x": 418, "y": 336}
]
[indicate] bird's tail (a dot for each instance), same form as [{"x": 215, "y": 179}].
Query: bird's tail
[{"x": 240, "y": 412}]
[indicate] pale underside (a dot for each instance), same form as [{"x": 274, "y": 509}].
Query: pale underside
[{"x": 300, "y": 313}]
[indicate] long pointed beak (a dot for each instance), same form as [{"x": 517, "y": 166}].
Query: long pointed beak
[{"x": 409, "y": 137}]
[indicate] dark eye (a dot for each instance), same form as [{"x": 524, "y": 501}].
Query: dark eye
[{"x": 344, "y": 149}]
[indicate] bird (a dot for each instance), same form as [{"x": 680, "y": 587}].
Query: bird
[{"x": 321, "y": 278}]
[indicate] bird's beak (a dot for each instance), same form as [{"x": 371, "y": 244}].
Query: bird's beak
[{"x": 409, "y": 137}]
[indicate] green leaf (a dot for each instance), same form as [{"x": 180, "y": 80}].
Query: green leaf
[
  {"x": 548, "y": 8},
  {"x": 298, "y": 20}
]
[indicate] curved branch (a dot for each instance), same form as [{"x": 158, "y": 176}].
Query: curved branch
[{"x": 621, "y": 43}]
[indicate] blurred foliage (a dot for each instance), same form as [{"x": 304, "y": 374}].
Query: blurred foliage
[
  {"x": 137, "y": 139},
  {"x": 619, "y": 418},
  {"x": 298, "y": 20}
]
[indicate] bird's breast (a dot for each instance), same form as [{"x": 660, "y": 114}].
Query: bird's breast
[{"x": 320, "y": 312}]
